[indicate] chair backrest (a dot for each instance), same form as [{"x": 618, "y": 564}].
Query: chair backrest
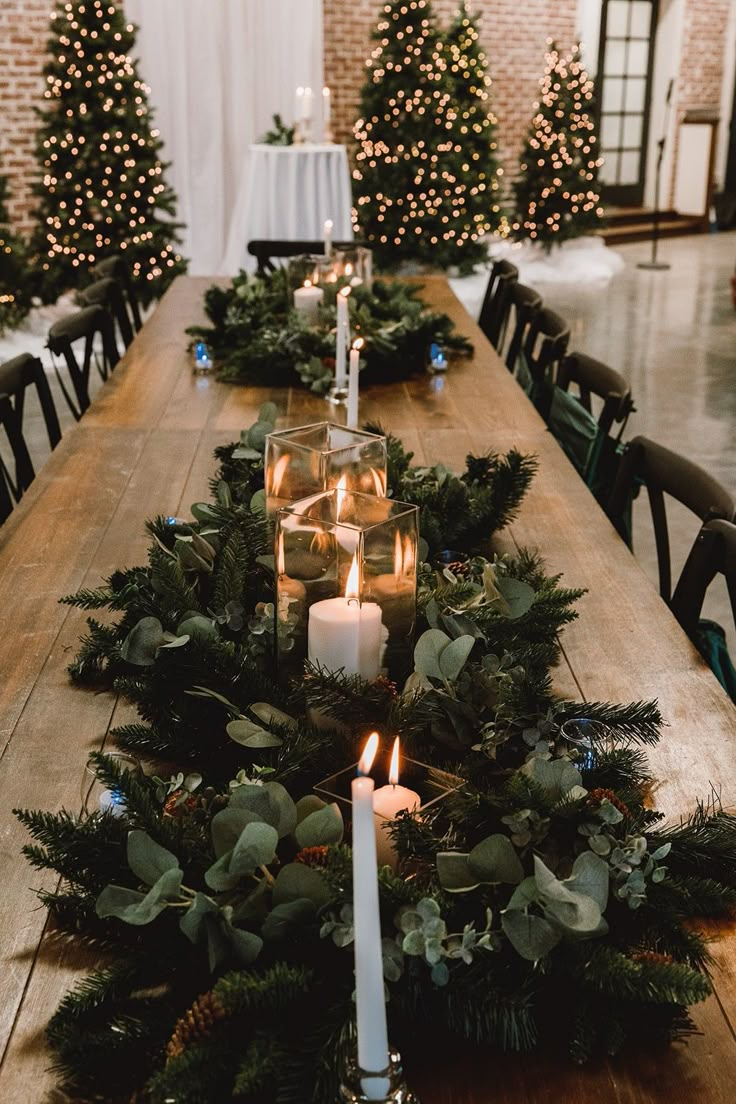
[
  {"x": 13, "y": 485},
  {"x": 117, "y": 267},
  {"x": 664, "y": 472},
  {"x": 525, "y": 302},
  {"x": 7, "y": 421},
  {"x": 84, "y": 325},
  {"x": 266, "y": 251},
  {"x": 496, "y": 307},
  {"x": 713, "y": 553},
  {"x": 593, "y": 377},
  {"x": 108, "y": 293},
  {"x": 545, "y": 345},
  {"x": 16, "y": 376}
]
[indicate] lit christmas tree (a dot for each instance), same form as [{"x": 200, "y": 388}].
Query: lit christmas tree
[
  {"x": 425, "y": 172},
  {"x": 14, "y": 298},
  {"x": 103, "y": 189},
  {"x": 557, "y": 195}
]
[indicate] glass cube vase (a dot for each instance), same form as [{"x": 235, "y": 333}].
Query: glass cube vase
[
  {"x": 346, "y": 567},
  {"x": 304, "y": 461}
]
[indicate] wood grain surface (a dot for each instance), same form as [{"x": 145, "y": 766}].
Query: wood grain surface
[{"x": 145, "y": 447}]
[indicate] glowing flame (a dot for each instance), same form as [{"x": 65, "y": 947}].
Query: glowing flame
[
  {"x": 352, "y": 586},
  {"x": 369, "y": 754},
  {"x": 345, "y": 292},
  {"x": 280, "y": 564},
  {"x": 393, "y": 774},
  {"x": 408, "y": 561},
  {"x": 358, "y": 343},
  {"x": 379, "y": 482},
  {"x": 307, "y": 283},
  {"x": 348, "y": 269},
  {"x": 328, "y": 225},
  {"x": 278, "y": 473},
  {"x": 398, "y": 555},
  {"x": 342, "y": 486}
]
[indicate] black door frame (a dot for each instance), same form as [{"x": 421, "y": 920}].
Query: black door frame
[{"x": 628, "y": 195}]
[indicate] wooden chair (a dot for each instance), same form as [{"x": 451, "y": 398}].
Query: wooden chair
[
  {"x": 16, "y": 377},
  {"x": 525, "y": 302},
  {"x": 117, "y": 267},
  {"x": 592, "y": 377},
  {"x": 496, "y": 307},
  {"x": 545, "y": 345},
  {"x": 108, "y": 293},
  {"x": 85, "y": 325},
  {"x": 664, "y": 472},
  {"x": 266, "y": 252}
]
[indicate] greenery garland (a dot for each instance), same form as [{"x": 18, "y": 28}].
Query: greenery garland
[
  {"x": 542, "y": 899},
  {"x": 256, "y": 337}
]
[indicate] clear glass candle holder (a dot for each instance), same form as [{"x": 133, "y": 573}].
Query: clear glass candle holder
[
  {"x": 346, "y": 583},
  {"x": 96, "y": 797},
  {"x": 354, "y": 265},
  {"x": 304, "y": 461},
  {"x": 431, "y": 784},
  {"x": 385, "y": 1087}
]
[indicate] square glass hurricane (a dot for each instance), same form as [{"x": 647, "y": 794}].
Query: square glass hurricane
[
  {"x": 346, "y": 567},
  {"x": 304, "y": 461}
]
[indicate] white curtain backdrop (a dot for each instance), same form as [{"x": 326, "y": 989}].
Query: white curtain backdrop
[{"x": 218, "y": 71}]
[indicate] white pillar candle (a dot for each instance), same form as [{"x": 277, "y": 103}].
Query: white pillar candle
[
  {"x": 342, "y": 331},
  {"x": 344, "y": 634},
  {"x": 388, "y": 802},
  {"x": 327, "y": 230},
  {"x": 307, "y": 105},
  {"x": 308, "y": 300},
  {"x": 354, "y": 384},
  {"x": 326, "y": 106},
  {"x": 369, "y": 994}
]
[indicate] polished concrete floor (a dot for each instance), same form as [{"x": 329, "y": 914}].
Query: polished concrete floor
[{"x": 672, "y": 334}]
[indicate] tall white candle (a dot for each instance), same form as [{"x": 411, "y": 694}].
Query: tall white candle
[
  {"x": 326, "y": 106},
  {"x": 327, "y": 230},
  {"x": 307, "y": 106},
  {"x": 354, "y": 384},
  {"x": 369, "y": 995},
  {"x": 388, "y": 802},
  {"x": 345, "y": 634},
  {"x": 299, "y": 104},
  {"x": 341, "y": 337},
  {"x": 307, "y": 301}
]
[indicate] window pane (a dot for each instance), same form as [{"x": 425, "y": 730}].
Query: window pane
[
  {"x": 629, "y": 168},
  {"x": 638, "y": 59},
  {"x": 618, "y": 18},
  {"x": 632, "y": 131},
  {"x": 615, "y": 57},
  {"x": 607, "y": 172},
  {"x": 641, "y": 19},
  {"x": 635, "y": 93},
  {"x": 610, "y": 131},
  {"x": 613, "y": 94}
]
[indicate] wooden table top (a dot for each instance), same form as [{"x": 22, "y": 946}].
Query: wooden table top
[{"x": 145, "y": 447}]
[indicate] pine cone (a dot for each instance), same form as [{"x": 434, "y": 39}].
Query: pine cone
[
  {"x": 654, "y": 957},
  {"x": 386, "y": 685},
  {"x": 196, "y": 1024},
  {"x": 596, "y": 797},
  {"x": 312, "y": 856}
]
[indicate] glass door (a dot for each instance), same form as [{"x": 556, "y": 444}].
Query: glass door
[{"x": 625, "y": 58}]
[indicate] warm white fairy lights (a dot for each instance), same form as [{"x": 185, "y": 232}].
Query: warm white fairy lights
[
  {"x": 440, "y": 175},
  {"x": 561, "y": 141},
  {"x": 101, "y": 178}
]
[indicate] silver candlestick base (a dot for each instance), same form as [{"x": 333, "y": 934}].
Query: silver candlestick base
[
  {"x": 387, "y": 1087},
  {"x": 337, "y": 396}
]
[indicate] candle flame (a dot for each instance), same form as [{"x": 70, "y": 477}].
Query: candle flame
[
  {"x": 359, "y": 342},
  {"x": 379, "y": 483},
  {"x": 307, "y": 283},
  {"x": 328, "y": 225},
  {"x": 369, "y": 754},
  {"x": 325, "y": 91},
  {"x": 280, "y": 563},
  {"x": 341, "y": 489},
  {"x": 300, "y": 91},
  {"x": 278, "y": 473},
  {"x": 352, "y": 586},
  {"x": 393, "y": 774},
  {"x": 348, "y": 269},
  {"x": 345, "y": 292},
  {"x": 398, "y": 555},
  {"x": 408, "y": 560}
]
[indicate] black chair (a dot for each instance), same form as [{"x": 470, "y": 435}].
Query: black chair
[
  {"x": 108, "y": 293},
  {"x": 11, "y": 489},
  {"x": 525, "y": 302},
  {"x": 496, "y": 307},
  {"x": 545, "y": 345},
  {"x": 117, "y": 267},
  {"x": 16, "y": 377},
  {"x": 592, "y": 377},
  {"x": 266, "y": 252},
  {"x": 85, "y": 325},
  {"x": 664, "y": 472}
]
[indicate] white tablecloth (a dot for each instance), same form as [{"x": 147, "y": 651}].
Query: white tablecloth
[{"x": 291, "y": 190}]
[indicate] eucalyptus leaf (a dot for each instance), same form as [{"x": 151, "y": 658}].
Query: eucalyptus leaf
[
  {"x": 531, "y": 936},
  {"x": 321, "y": 828},
  {"x": 427, "y": 652},
  {"x": 147, "y": 859},
  {"x": 250, "y": 735},
  {"x": 590, "y": 875},
  {"x": 192, "y": 923},
  {"x": 271, "y": 802},
  {"x": 256, "y": 847},
  {"x": 519, "y": 596},
  {"x": 197, "y": 627},
  {"x": 227, "y": 826},
  {"x": 204, "y": 513},
  {"x": 258, "y": 502},
  {"x": 413, "y": 943},
  {"x": 296, "y": 880},
  {"x": 224, "y": 494},
  {"x": 270, "y": 715},
  {"x": 287, "y": 918},
  {"x": 556, "y": 776},
  {"x": 310, "y": 803},
  {"x": 268, "y": 412},
  {"x": 244, "y": 452},
  {"x": 135, "y": 908},
  {"x": 455, "y": 873},
  {"x": 142, "y": 642},
  {"x": 453, "y": 658},
  {"x": 495, "y": 860}
]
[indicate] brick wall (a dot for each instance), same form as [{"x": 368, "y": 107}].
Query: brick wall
[
  {"x": 702, "y": 56},
  {"x": 23, "y": 33},
  {"x": 514, "y": 46}
]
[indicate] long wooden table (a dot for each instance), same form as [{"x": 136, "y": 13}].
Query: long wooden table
[{"x": 145, "y": 447}]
